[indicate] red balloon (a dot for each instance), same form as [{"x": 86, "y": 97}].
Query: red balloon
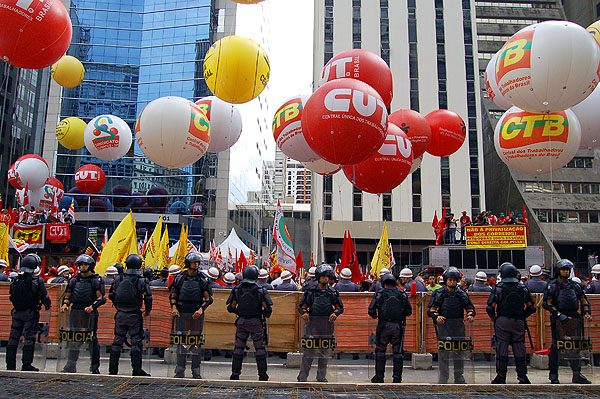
[
  {"x": 344, "y": 121},
  {"x": 56, "y": 186},
  {"x": 90, "y": 179},
  {"x": 416, "y": 128},
  {"x": 13, "y": 179},
  {"x": 196, "y": 209},
  {"x": 448, "y": 132},
  {"x": 361, "y": 65},
  {"x": 387, "y": 168},
  {"x": 34, "y": 34}
]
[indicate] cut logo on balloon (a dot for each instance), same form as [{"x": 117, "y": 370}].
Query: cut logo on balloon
[
  {"x": 106, "y": 136},
  {"x": 515, "y": 54},
  {"x": 525, "y": 128},
  {"x": 336, "y": 101}
]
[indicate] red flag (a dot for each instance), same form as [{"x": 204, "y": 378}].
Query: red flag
[
  {"x": 54, "y": 206},
  {"x": 26, "y": 195},
  {"x": 345, "y": 254},
  {"x": 241, "y": 263},
  {"x": 312, "y": 260},
  {"x": 353, "y": 261},
  {"x": 299, "y": 261},
  {"x": 525, "y": 217},
  {"x": 434, "y": 224}
]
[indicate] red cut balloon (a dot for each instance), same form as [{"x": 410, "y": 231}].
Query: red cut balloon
[
  {"x": 90, "y": 179},
  {"x": 448, "y": 132},
  {"x": 387, "y": 168},
  {"x": 34, "y": 34},
  {"x": 13, "y": 179},
  {"x": 416, "y": 128},
  {"x": 361, "y": 65},
  {"x": 344, "y": 121}
]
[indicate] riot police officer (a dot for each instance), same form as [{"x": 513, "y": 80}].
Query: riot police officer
[
  {"x": 127, "y": 294},
  {"x": 563, "y": 298},
  {"x": 535, "y": 284},
  {"x": 310, "y": 278},
  {"x": 252, "y": 304},
  {"x": 163, "y": 280},
  {"x": 27, "y": 294},
  {"x": 319, "y": 307},
  {"x": 594, "y": 286},
  {"x": 391, "y": 306},
  {"x": 509, "y": 305},
  {"x": 447, "y": 309},
  {"x": 84, "y": 294},
  {"x": 190, "y": 296},
  {"x": 377, "y": 284}
]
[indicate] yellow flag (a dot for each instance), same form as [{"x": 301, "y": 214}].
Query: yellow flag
[
  {"x": 152, "y": 247},
  {"x": 181, "y": 252},
  {"x": 114, "y": 247},
  {"x": 4, "y": 231},
  {"x": 163, "y": 251},
  {"x": 130, "y": 246},
  {"x": 382, "y": 255}
]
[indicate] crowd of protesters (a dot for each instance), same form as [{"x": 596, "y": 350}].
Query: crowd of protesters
[{"x": 34, "y": 216}]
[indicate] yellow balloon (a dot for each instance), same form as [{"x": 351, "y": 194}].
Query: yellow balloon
[
  {"x": 236, "y": 69},
  {"x": 594, "y": 29},
  {"x": 68, "y": 71},
  {"x": 69, "y": 133}
]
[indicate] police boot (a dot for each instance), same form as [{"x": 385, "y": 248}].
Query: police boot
[
  {"x": 95, "y": 365},
  {"x": 196, "y": 359},
  {"x": 113, "y": 362},
  {"x": 236, "y": 367},
  {"x": 180, "y": 367},
  {"x": 11, "y": 357},
  {"x": 501, "y": 368},
  {"x": 579, "y": 378},
  {"x": 322, "y": 368},
  {"x": 261, "y": 365},
  {"x": 398, "y": 366},
  {"x": 305, "y": 366},
  {"x": 28, "y": 360},
  {"x": 521, "y": 366},
  {"x": 379, "y": 370},
  {"x": 71, "y": 366},
  {"x": 136, "y": 365}
]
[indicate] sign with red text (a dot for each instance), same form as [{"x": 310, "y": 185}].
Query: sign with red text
[
  {"x": 31, "y": 234},
  {"x": 506, "y": 236},
  {"x": 58, "y": 231}
]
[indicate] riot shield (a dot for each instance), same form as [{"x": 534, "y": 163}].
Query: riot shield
[
  {"x": 185, "y": 346},
  {"x": 318, "y": 344},
  {"x": 574, "y": 347},
  {"x": 387, "y": 343},
  {"x": 455, "y": 348},
  {"x": 77, "y": 342},
  {"x": 509, "y": 343}
]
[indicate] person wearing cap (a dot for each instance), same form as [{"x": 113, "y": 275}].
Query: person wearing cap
[
  {"x": 286, "y": 282},
  {"x": 594, "y": 286},
  {"x": 3, "y": 266},
  {"x": 479, "y": 285},
  {"x": 345, "y": 284},
  {"x": 310, "y": 278},
  {"x": 63, "y": 275},
  {"x": 535, "y": 284},
  {"x": 163, "y": 280},
  {"x": 263, "y": 276},
  {"x": 432, "y": 284},
  {"x": 465, "y": 221},
  {"x": 213, "y": 274},
  {"x": 229, "y": 279},
  {"x": 239, "y": 278},
  {"x": 377, "y": 285},
  {"x": 545, "y": 275},
  {"x": 275, "y": 276},
  {"x": 406, "y": 281},
  {"x": 501, "y": 219},
  {"x": 109, "y": 278}
]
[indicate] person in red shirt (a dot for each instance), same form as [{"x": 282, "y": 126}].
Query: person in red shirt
[
  {"x": 464, "y": 220},
  {"x": 501, "y": 219},
  {"x": 491, "y": 218}
]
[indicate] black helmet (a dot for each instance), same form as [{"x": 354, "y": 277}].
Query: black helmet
[
  {"x": 164, "y": 272},
  {"x": 388, "y": 278},
  {"x": 29, "y": 263},
  {"x": 250, "y": 273},
  {"x": 323, "y": 270},
  {"x": 120, "y": 268},
  {"x": 83, "y": 258},
  {"x": 192, "y": 257},
  {"x": 564, "y": 264},
  {"x": 452, "y": 272},
  {"x": 148, "y": 273},
  {"x": 509, "y": 273},
  {"x": 133, "y": 261}
]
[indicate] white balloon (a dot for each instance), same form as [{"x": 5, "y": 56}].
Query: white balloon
[
  {"x": 225, "y": 123},
  {"x": 416, "y": 164},
  {"x": 32, "y": 171},
  {"x": 322, "y": 167},
  {"x": 172, "y": 132},
  {"x": 537, "y": 143},
  {"x": 492, "y": 85},
  {"x": 588, "y": 114},
  {"x": 20, "y": 195},
  {"x": 107, "y": 137},
  {"x": 549, "y": 66},
  {"x": 38, "y": 200},
  {"x": 287, "y": 130}
]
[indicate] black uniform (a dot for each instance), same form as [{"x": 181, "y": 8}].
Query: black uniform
[
  {"x": 82, "y": 292},
  {"x": 265, "y": 284},
  {"x": 514, "y": 304},
  {"x": 159, "y": 282},
  {"x": 27, "y": 294},
  {"x": 593, "y": 287},
  {"x": 452, "y": 306},
  {"x": 127, "y": 294},
  {"x": 391, "y": 306},
  {"x": 249, "y": 298},
  {"x": 309, "y": 283},
  {"x": 536, "y": 285},
  {"x": 321, "y": 304},
  {"x": 187, "y": 294},
  {"x": 108, "y": 281}
]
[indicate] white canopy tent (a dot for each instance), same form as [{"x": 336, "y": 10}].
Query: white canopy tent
[{"x": 233, "y": 243}]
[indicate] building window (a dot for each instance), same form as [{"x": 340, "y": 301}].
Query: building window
[
  {"x": 327, "y": 197},
  {"x": 445, "y": 169},
  {"x": 384, "y": 28},
  {"x": 416, "y": 189},
  {"x": 356, "y": 28},
  {"x": 413, "y": 57},
  {"x": 211, "y": 202},
  {"x": 387, "y": 206},
  {"x": 328, "y": 31},
  {"x": 356, "y": 204}
]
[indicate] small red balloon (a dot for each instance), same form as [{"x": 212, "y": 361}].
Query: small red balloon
[
  {"x": 90, "y": 179},
  {"x": 361, "y": 65},
  {"x": 416, "y": 128},
  {"x": 387, "y": 168},
  {"x": 13, "y": 179},
  {"x": 344, "y": 121},
  {"x": 448, "y": 132},
  {"x": 196, "y": 209}
]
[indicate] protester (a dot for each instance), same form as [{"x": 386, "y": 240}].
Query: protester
[
  {"x": 465, "y": 221},
  {"x": 432, "y": 284}
]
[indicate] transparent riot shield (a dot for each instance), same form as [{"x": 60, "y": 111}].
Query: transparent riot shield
[
  {"x": 387, "y": 343},
  {"x": 185, "y": 347},
  {"x": 77, "y": 342},
  {"x": 40, "y": 345},
  {"x": 455, "y": 351},
  {"x": 511, "y": 339},
  {"x": 318, "y": 345},
  {"x": 574, "y": 347}
]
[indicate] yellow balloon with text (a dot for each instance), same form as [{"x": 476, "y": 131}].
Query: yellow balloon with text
[
  {"x": 236, "y": 69},
  {"x": 69, "y": 133},
  {"x": 594, "y": 29},
  {"x": 68, "y": 71}
]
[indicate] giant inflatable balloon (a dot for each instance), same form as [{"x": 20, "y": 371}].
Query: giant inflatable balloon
[
  {"x": 121, "y": 196},
  {"x": 13, "y": 178},
  {"x": 537, "y": 143},
  {"x": 178, "y": 207},
  {"x": 69, "y": 133},
  {"x": 37, "y": 199},
  {"x": 172, "y": 132},
  {"x": 539, "y": 69},
  {"x": 361, "y": 65},
  {"x": 322, "y": 167},
  {"x": 157, "y": 197},
  {"x": 107, "y": 137},
  {"x": 236, "y": 69},
  {"x": 387, "y": 168},
  {"x": 90, "y": 179},
  {"x": 588, "y": 115},
  {"x": 448, "y": 132},
  {"x": 416, "y": 128},
  {"x": 196, "y": 209},
  {"x": 287, "y": 130},
  {"x": 225, "y": 123},
  {"x": 137, "y": 201},
  {"x": 491, "y": 84},
  {"x": 594, "y": 29},
  {"x": 34, "y": 34},
  {"x": 68, "y": 72},
  {"x": 41, "y": 198},
  {"x": 32, "y": 171},
  {"x": 344, "y": 121},
  {"x": 53, "y": 185}
]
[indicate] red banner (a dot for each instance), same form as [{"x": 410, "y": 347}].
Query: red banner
[
  {"x": 31, "y": 234},
  {"x": 58, "y": 231}
]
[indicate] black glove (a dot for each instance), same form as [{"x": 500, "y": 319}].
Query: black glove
[{"x": 563, "y": 317}]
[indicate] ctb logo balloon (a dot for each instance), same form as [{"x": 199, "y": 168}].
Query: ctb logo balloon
[
  {"x": 287, "y": 130},
  {"x": 448, "y": 132}
]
